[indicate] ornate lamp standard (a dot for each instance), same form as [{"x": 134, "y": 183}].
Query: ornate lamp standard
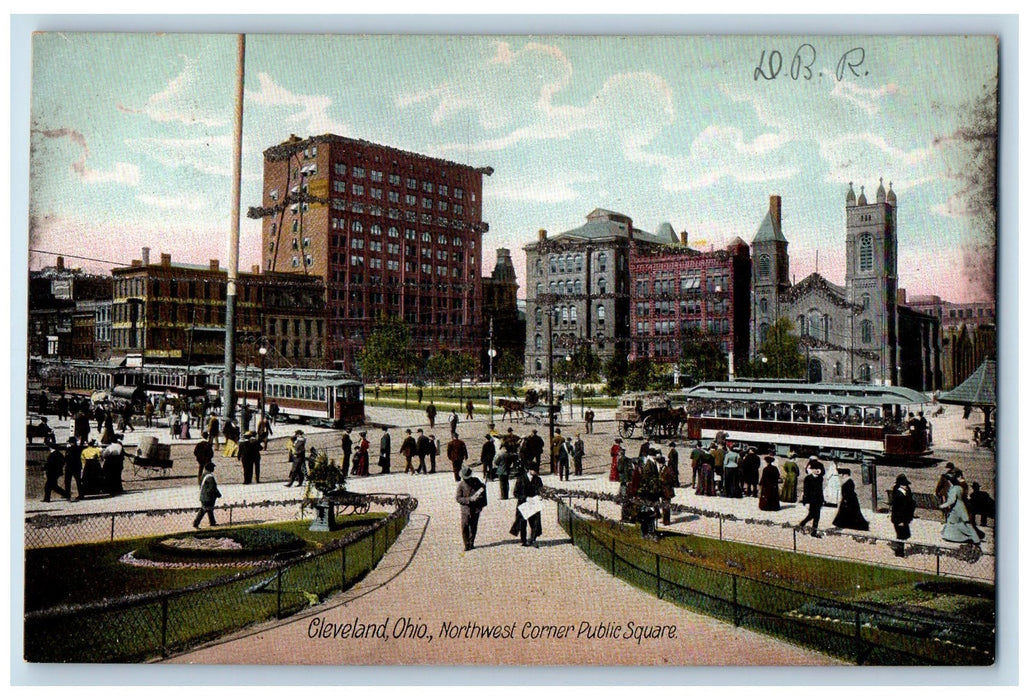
[{"x": 263, "y": 352}]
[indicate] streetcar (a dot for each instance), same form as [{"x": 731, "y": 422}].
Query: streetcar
[
  {"x": 843, "y": 422},
  {"x": 321, "y": 397}
]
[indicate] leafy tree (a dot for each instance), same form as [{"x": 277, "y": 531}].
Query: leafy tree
[
  {"x": 387, "y": 351},
  {"x": 616, "y": 369},
  {"x": 510, "y": 370},
  {"x": 779, "y": 356},
  {"x": 640, "y": 375},
  {"x": 702, "y": 359}
]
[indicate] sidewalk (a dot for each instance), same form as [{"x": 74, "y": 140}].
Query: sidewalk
[{"x": 542, "y": 597}]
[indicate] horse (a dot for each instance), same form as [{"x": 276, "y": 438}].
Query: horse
[{"x": 510, "y": 407}]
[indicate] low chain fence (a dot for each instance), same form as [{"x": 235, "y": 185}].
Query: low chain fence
[
  {"x": 149, "y": 625},
  {"x": 966, "y": 561},
  {"x": 863, "y": 633}
]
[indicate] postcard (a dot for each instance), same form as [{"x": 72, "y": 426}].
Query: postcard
[{"x": 436, "y": 350}]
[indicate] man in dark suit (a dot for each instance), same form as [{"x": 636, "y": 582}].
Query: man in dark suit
[
  {"x": 385, "y": 445},
  {"x": 347, "y": 445},
  {"x": 457, "y": 453},
  {"x": 424, "y": 448},
  {"x": 813, "y": 496},
  {"x": 54, "y": 470},
  {"x": 471, "y": 494}
]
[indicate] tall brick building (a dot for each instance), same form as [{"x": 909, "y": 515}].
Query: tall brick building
[
  {"x": 391, "y": 232},
  {"x": 680, "y": 293}
]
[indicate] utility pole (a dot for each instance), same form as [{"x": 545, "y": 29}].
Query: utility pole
[
  {"x": 229, "y": 380},
  {"x": 492, "y": 353},
  {"x": 550, "y": 382}
]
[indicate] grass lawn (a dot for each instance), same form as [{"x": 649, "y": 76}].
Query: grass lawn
[
  {"x": 127, "y": 631},
  {"x": 807, "y": 599},
  {"x": 78, "y": 574}
]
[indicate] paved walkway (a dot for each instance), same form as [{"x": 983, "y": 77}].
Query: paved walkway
[{"x": 545, "y": 596}]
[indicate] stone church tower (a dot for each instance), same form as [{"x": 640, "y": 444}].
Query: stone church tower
[
  {"x": 771, "y": 271},
  {"x": 871, "y": 281}
]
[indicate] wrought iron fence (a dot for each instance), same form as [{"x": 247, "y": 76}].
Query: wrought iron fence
[
  {"x": 140, "y": 627},
  {"x": 862, "y": 633}
]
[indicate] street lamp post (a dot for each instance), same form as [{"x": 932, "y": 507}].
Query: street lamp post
[
  {"x": 492, "y": 353},
  {"x": 550, "y": 383},
  {"x": 571, "y": 401},
  {"x": 262, "y": 351}
]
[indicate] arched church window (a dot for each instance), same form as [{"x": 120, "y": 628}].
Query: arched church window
[
  {"x": 825, "y": 327},
  {"x": 865, "y": 253},
  {"x": 764, "y": 266},
  {"x": 762, "y": 333},
  {"x": 866, "y": 301},
  {"x": 539, "y": 342},
  {"x": 865, "y": 373},
  {"x": 866, "y": 331},
  {"x": 539, "y": 317},
  {"x": 801, "y": 326},
  {"x": 763, "y": 305}
]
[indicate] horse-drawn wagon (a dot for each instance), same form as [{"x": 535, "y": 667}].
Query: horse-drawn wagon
[{"x": 653, "y": 412}]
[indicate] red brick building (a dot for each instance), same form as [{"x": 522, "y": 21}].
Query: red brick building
[
  {"x": 391, "y": 232},
  {"x": 679, "y": 292}
]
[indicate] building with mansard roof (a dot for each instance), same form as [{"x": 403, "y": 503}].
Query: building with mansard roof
[{"x": 859, "y": 331}]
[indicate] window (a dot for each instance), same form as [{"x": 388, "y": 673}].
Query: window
[
  {"x": 764, "y": 266},
  {"x": 458, "y": 193},
  {"x": 357, "y": 227},
  {"x": 866, "y": 331},
  {"x": 357, "y": 189},
  {"x": 865, "y": 253},
  {"x": 376, "y": 230},
  {"x": 357, "y": 172},
  {"x": 393, "y": 232},
  {"x": 376, "y": 176},
  {"x": 412, "y": 184},
  {"x": 273, "y": 195},
  {"x": 539, "y": 317},
  {"x": 865, "y": 373},
  {"x": 426, "y": 203},
  {"x": 394, "y": 197},
  {"x": 763, "y": 305},
  {"x": 866, "y": 302},
  {"x": 394, "y": 179},
  {"x": 602, "y": 262},
  {"x": 375, "y": 192},
  {"x": 600, "y": 315}
]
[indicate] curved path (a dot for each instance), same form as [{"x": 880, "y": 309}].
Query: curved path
[{"x": 541, "y": 597}]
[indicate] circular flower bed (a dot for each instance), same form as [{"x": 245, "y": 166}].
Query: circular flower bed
[{"x": 240, "y": 542}]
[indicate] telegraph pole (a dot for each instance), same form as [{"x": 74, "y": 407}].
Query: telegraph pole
[{"x": 229, "y": 380}]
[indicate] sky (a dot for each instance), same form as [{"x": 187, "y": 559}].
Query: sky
[{"x": 131, "y": 137}]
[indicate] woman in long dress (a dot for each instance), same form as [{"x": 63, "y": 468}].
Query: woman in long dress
[
  {"x": 958, "y": 527},
  {"x": 615, "y": 451},
  {"x": 768, "y": 496},
  {"x": 832, "y": 484},
  {"x": 790, "y": 474},
  {"x": 848, "y": 515}
]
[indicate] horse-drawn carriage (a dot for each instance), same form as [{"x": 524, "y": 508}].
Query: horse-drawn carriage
[
  {"x": 529, "y": 410},
  {"x": 653, "y": 412}
]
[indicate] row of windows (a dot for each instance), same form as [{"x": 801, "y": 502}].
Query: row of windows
[
  {"x": 282, "y": 326},
  {"x": 571, "y": 287},
  {"x": 412, "y": 183},
  {"x": 393, "y": 213},
  {"x": 569, "y": 314},
  {"x": 713, "y": 325},
  {"x": 686, "y": 307}
]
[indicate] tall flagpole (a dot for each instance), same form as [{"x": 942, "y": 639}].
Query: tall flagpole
[{"x": 229, "y": 380}]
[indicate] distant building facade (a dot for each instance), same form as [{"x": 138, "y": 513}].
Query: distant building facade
[
  {"x": 680, "y": 293},
  {"x": 176, "y": 314},
  {"x": 500, "y": 311},
  {"x": 857, "y": 332},
  {"x": 59, "y": 299},
  {"x": 969, "y": 334},
  {"x": 578, "y": 289},
  {"x": 391, "y": 232}
]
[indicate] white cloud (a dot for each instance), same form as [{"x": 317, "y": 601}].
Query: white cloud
[
  {"x": 866, "y": 99},
  {"x": 179, "y": 101},
  {"x": 310, "y": 113},
  {"x": 867, "y": 156},
  {"x": 551, "y": 189},
  {"x": 119, "y": 172},
  {"x": 211, "y": 156}
]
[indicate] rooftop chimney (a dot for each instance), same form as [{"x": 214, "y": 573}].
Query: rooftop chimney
[
  {"x": 146, "y": 255},
  {"x": 255, "y": 269},
  {"x": 212, "y": 264},
  {"x": 165, "y": 259},
  {"x": 135, "y": 263},
  {"x": 775, "y": 209},
  {"x": 60, "y": 262},
  {"x": 543, "y": 234}
]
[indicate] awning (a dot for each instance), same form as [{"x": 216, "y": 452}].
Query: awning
[{"x": 980, "y": 389}]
